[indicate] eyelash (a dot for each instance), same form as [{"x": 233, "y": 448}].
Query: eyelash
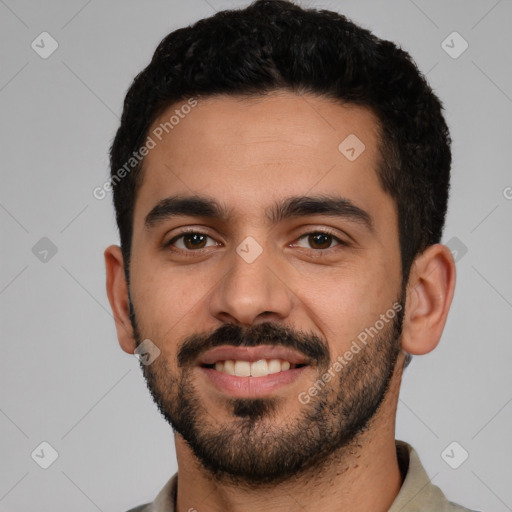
[{"x": 192, "y": 252}]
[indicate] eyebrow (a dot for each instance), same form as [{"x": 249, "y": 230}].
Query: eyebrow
[{"x": 291, "y": 207}]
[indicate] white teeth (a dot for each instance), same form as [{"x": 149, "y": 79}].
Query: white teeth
[
  {"x": 259, "y": 368},
  {"x": 242, "y": 368},
  {"x": 274, "y": 366},
  {"x": 229, "y": 367}
]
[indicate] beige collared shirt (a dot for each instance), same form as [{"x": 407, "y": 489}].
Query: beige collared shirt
[{"x": 417, "y": 493}]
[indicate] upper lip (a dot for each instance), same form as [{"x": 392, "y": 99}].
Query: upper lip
[{"x": 251, "y": 354}]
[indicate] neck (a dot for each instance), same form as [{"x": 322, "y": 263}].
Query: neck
[{"x": 362, "y": 476}]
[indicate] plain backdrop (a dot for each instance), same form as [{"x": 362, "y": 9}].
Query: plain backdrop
[{"x": 64, "y": 380}]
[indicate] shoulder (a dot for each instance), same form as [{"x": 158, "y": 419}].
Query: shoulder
[
  {"x": 140, "y": 508},
  {"x": 165, "y": 501},
  {"x": 453, "y": 507},
  {"x": 417, "y": 491}
]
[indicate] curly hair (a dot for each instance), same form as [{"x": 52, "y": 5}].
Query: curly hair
[{"x": 276, "y": 45}]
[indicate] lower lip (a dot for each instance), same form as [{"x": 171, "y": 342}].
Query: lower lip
[{"x": 250, "y": 387}]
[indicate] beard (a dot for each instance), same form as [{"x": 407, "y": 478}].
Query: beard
[{"x": 257, "y": 446}]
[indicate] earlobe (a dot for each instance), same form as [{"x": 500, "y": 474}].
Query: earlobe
[
  {"x": 429, "y": 295},
  {"x": 117, "y": 291}
]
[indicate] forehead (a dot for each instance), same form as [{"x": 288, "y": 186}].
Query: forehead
[{"x": 250, "y": 151}]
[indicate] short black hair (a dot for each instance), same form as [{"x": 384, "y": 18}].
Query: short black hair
[{"x": 276, "y": 45}]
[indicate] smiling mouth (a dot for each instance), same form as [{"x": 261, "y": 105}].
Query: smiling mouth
[{"x": 259, "y": 368}]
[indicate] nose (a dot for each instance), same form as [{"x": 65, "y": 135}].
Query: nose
[{"x": 252, "y": 291}]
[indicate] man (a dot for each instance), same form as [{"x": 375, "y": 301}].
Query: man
[{"x": 280, "y": 179}]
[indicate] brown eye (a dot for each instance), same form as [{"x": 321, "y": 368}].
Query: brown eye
[
  {"x": 190, "y": 241},
  {"x": 320, "y": 240},
  {"x": 194, "y": 241}
]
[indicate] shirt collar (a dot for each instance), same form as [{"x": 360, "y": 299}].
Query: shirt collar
[{"x": 416, "y": 493}]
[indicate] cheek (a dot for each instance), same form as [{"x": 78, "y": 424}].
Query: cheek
[
  {"x": 343, "y": 304},
  {"x": 166, "y": 298}
]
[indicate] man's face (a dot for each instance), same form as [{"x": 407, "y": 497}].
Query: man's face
[{"x": 289, "y": 284}]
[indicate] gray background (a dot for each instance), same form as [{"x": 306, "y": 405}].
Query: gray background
[{"x": 64, "y": 380}]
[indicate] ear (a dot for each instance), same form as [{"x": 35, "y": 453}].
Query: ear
[
  {"x": 117, "y": 291},
  {"x": 429, "y": 295}
]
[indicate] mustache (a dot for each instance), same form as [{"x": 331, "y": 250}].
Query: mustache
[{"x": 309, "y": 345}]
